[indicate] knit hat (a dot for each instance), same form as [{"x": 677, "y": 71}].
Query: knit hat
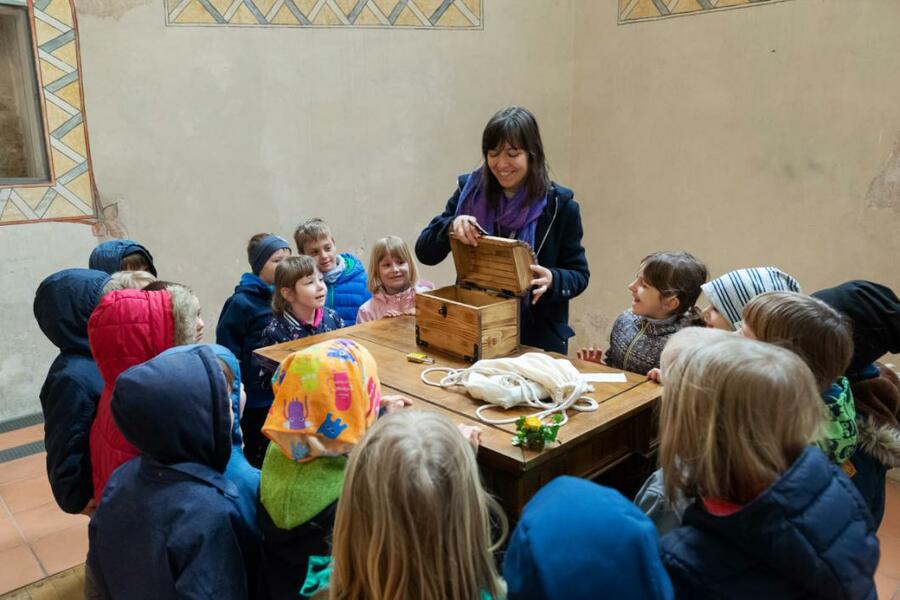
[
  {"x": 326, "y": 397},
  {"x": 266, "y": 247},
  {"x": 731, "y": 292},
  {"x": 874, "y": 311}
]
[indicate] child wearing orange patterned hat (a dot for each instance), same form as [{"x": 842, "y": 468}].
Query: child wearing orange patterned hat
[{"x": 326, "y": 398}]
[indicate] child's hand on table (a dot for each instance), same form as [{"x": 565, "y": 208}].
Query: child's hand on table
[
  {"x": 594, "y": 355},
  {"x": 472, "y": 433},
  {"x": 394, "y": 402},
  {"x": 654, "y": 375}
]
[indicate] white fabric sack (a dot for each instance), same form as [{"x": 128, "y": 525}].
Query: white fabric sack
[{"x": 532, "y": 379}]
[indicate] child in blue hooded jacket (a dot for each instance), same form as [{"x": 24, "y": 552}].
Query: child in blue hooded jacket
[
  {"x": 62, "y": 306},
  {"x": 121, "y": 255},
  {"x": 345, "y": 275},
  {"x": 578, "y": 540},
  {"x": 242, "y": 321},
  {"x": 169, "y": 524}
]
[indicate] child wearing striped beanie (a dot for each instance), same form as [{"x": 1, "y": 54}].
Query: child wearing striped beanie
[{"x": 730, "y": 293}]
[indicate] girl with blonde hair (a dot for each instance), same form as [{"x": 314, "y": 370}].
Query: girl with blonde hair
[
  {"x": 773, "y": 517},
  {"x": 413, "y": 521},
  {"x": 393, "y": 281}
]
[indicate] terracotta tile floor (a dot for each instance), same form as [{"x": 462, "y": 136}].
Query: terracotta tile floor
[{"x": 38, "y": 540}]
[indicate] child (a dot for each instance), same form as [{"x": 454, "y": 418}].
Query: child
[
  {"x": 663, "y": 295},
  {"x": 168, "y": 526},
  {"x": 299, "y": 303},
  {"x": 344, "y": 273},
  {"x": 821, "y": 337},
  {"x": 874, "y": 311},
  {"x": 727, "y": 295},
  {"x": 564, "y": 547},
  {"x": 414, "y": 520},
  {"x": 326, "y": 397},
  {"x": 241, "y": 324},
  {"x": 127, "y": 328},
  {"x": 392, "y": 273},
  {"x": 773, "y": 517},
  {"x": 121, "y": 255},
  {"x": 128, "y": 280},
  {"x": 62, "y": 305}
]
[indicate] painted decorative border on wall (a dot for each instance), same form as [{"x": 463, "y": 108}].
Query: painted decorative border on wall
[
  {"x": 410, "y": 14},
  {"x": 69, "y": 195},
  {"x": 631, "y": 11}
]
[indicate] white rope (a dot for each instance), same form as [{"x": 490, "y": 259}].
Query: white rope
[{"x": 575, "y": 398}]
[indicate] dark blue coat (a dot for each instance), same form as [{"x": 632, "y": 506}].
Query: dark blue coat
[
  {"x": 62, "y": 306},
  {"x": 808, "y": 536},
  {"x": 240, "y": 329},
  {"x": 350, "y": 290},
  {"x": 558, "y": 237},
  {"x": 108, "y": 255},
  {"x": 578, "y": 540},
  {"x": 168, "y": 525}
]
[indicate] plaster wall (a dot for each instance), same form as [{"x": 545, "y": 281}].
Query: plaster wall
[{"x": 749, "y": 137}]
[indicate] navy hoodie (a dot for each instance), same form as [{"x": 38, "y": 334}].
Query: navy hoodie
[
  {"x": 240, "y": 329},
  {"x": 62, "y": 306},
  {"x": 168, "y": 525},
  {"x": 578, "y": 540},
  {"x": 808, "y": 536},
  {"x": 108, "y": 255}
]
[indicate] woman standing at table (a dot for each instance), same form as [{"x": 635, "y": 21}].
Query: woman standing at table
[{"x": 511, "y": 196}]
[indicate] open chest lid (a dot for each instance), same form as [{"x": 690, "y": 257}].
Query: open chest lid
[{"x": 496, "y": 264}]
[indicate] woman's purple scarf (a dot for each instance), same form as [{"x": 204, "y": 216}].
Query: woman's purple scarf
[{"x": 511, "y": 214}]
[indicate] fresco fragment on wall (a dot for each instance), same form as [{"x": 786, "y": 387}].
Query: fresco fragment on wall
[
  {"x": 632, "y": 11},
  {"x": 416, "y": 14},
  {"x": 69, "y": 195}
]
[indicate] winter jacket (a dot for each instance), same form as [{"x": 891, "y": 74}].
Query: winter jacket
[
  {"x": 169, "y": 525},
  {"x": 240, "y": 472},
  {"x": 808, "y": 536},
  {"x": 635, "y": 342},
  {"x": 62, "y": 305},
  {"x": 240, "y": 329},
  {"x": 284, "y": 328},
  {"x": 350, "y": 290},
  {"x": 127, "y": 328},
  {"x": 108, "y": 256},
  {"x": 558, "y": 238},
  {"x": 576, "y": 540},
  {"x": 382, "y": 305}
]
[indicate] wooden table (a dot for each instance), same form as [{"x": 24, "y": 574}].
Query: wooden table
[{"x": 591, "y": 444}]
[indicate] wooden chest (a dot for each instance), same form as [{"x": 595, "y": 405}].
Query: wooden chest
[{"x": 479, "y": 316}]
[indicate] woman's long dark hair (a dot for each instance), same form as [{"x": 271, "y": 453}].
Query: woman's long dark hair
[{"x": 517, "y": 127}]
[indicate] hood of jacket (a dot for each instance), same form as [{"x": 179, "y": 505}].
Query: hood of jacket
[
  {"x": 878, "y": 404},
  {"x": 253, "y": 284},
  {"x": 228, "y": 357},
  {"x": 577, "y": 539},
  {"x": 108, "y": 255},
  {"x": 63, "y": 304},
  {"x": 129, "y": 327},
  {"x": 874, "y": 311},
  {"x": 811, "y": 528},
  {"x": 353, "y": 268},
  {"x": 175, "y": 408}
]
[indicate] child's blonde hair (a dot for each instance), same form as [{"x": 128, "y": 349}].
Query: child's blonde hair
[
  {"x": 396, "y": 248},
  {"x": 816, "y": 332},
  {"x": 311, "y": 230},
  {"x": 735, "y": 415},
  {"x": 288, "y": 272},
  {"x": 127, "y": 280},
  {"x": 413, "y": 520}
]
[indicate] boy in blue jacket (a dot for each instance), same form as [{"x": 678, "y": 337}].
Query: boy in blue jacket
[
  {"x": 62, "y": 306},
  {"x": 242, "y": 321},
  {"x": 345, "y": 275},
  {"x": 121, "y": 255},
  {"x": 168, "y": 525}
]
